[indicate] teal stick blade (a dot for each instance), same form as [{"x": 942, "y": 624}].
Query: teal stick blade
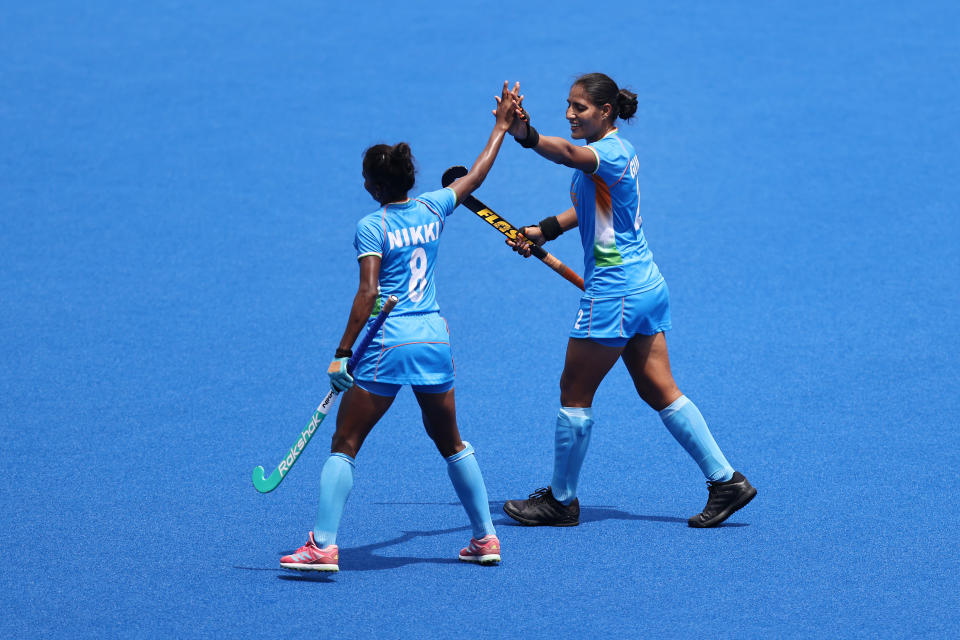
[{"x": 264, "y": 484}]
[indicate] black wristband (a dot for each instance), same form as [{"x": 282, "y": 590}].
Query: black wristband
[
  {"x": 343, "y": 353},
  {"x": 550, "y": 228},
  {"x": 532, "y": 139}
]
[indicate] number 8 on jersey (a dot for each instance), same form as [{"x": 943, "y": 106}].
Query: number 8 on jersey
[{"x": 418, "y": 274}]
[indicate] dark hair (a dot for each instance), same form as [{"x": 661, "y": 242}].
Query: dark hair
[
  {"x": 390, "y": 169},
  {"x": 603, "y": 90}
]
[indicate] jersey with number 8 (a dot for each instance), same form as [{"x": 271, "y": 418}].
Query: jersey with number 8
[{"x": 406, "y": 236}]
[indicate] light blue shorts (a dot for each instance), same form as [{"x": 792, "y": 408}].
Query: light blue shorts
[
  {"x": 409, "y": 349},
  {"x": 613, "y": 321},
  {"x": 391, "y": 390}
]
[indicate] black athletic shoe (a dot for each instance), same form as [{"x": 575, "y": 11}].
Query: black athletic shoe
[
  {"x": 725, "y": 498},
  {"x": 541, "y": 509}
]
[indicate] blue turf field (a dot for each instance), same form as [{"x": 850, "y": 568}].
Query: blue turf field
[{"x": 179, "y": 186}]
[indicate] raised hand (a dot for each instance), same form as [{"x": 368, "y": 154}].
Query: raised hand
[
  {"x": 522, "y": 120},
  {"x": 507, "y": 105}
]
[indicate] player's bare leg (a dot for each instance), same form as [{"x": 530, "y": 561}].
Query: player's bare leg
[
  {"x": 587, "y": 364},
  {"x": 439, "y": 412},
  {"x": 359, "y": 412},
  {"x": 648, "y": 361},
  {"x": 440, "y": 421}
]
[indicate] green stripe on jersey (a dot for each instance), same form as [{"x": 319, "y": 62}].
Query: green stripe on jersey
[
  {"x": 377, "y": 305},
  {"x": 606, "y": 256}
]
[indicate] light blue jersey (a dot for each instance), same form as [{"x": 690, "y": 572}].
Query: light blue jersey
[
  {"x": 616, "y": 259},
  {"x": 406, "y": 236},
  {"x": 413, "y": 345}
]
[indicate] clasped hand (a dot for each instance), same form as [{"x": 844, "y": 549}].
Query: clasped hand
[
  {"x": 340, "y": 379},
  {"x": 530, "y": 236}
]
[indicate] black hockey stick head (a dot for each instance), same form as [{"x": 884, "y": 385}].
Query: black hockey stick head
[{"x": 453, "y": 174}]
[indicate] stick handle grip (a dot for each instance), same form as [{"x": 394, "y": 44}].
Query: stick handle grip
[
  {"x": 371, "y": 331},
  {"x": 554, "y": 263}
]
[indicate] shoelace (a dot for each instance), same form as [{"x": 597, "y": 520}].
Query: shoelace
[
  {"x": 306, "y": 549},
  {"x": 718, "y": 493},
  {"x": 475, "y": 545},
  {"x": 717, "y": 484},
  {"x": 540, "y": 494}
]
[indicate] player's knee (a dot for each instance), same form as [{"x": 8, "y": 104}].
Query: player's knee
[
  {"x": 573, "y": 394},
  {"x": 449, "y": 448},
  {"x": 660, "y": 398},
  {"x": 345, "y": 443},
  {"x": 447, "y": 443}
]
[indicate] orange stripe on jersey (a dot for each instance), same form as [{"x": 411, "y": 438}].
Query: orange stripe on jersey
[{"x": 603, "y": 194}]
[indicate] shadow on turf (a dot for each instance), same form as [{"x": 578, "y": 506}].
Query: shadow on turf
[
  {"x": 595, "y": 514},
  {"x": 312, "y": 576},
  {"x": 306, "y": 576},
  {"x": 364, "y": 559},
  {"x": 587, "y": 514}
]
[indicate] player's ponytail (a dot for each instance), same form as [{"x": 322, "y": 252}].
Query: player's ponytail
[
  {"x": 390, "y": 170},
  {"x": 402, "y": 165},
  {"x": 603, "y": 90}
]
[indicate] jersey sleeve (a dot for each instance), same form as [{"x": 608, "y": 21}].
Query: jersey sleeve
[
  {"x": 612, "y": 160},
  {"x": 369, "y": 239},
  {"x": 441, "y": 202}
]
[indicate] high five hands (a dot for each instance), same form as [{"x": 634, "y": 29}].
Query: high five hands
[
  {"x": 511, "y": 115},
  {"x": 508, "y": 103}
]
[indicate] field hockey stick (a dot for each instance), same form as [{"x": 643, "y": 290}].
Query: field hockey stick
[
  {"x": 507, "y": 229},
  {"x": 264, "y": 484}
]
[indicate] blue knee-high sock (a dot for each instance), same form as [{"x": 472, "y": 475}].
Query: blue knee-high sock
[
  {"x": 686, "y": 424},
  {"x": 570, "y": 447},
  {"x": 464, "y": 472},
  {"x": 336, "y": 481}
]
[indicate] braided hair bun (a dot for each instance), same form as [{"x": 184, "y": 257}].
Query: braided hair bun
[{"x": 627, "y": 104}]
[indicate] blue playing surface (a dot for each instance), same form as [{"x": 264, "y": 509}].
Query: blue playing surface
[{"x": 179, "y": 186}]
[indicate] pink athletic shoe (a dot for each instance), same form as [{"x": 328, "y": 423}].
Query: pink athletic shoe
[
  {"x": 310, "y": 557},
  {"x": 486, "y": 550}
]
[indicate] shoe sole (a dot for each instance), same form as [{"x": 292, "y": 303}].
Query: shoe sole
[
  {"x": 532, "y": 523},
  {"x": 486, "y": 560},
  {"x": 726, "y": 513},
  {"x": 310, "y": 567}
]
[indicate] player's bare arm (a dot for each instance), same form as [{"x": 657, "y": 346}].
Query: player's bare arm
[
  {"x": 564, "y": 152},
  {"x": 362, "y": 302},
  {"x": 588, "y": 121}
]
